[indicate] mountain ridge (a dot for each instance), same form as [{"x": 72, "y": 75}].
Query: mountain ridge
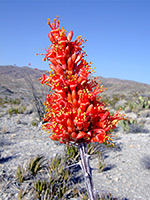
[{"x": 14, "y": 79}]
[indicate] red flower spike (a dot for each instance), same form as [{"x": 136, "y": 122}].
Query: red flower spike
[
  {"x": 45, "y": 79},
  {"x": 99, "y": 138},
  {"x": 86, "y": 125},
  {"x": 69, "y": 97},
  {"x": 74, "y": 113},
  {"x": 62, "y": 59}
]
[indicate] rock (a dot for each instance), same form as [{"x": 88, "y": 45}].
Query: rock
[
  {"x": 121, "y": 180},
  {"x": 131, "y": 115},
  {"x": 127, "y": 109},
  {"x": 29, "y": 109},
  {"x": 144, "y": 113},
  {"x": 120, "y": 103}
]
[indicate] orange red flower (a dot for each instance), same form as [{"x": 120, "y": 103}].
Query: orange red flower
[{"x": 74, "y": 112}]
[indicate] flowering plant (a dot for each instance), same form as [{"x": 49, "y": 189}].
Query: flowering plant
[{"x": 75, "y": 115}]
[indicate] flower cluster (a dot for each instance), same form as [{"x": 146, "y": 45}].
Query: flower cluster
[{"x": 74, "y": 112}]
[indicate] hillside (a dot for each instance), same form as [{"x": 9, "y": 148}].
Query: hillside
[{"x": 18, "y": 81}]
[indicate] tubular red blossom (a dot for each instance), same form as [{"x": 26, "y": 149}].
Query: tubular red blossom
[
  {"x": 70, "y": 35},
  {"x": 74, "y": 56},
  {"x": 51, "y": 37},
  {"x": 74, "y": 113},
  {"x": 81, "y": 134},
  {"x": 45, "y": 79},
  {"x": 70, "y": 64},
  {"x": 79, "y": 57},
  {"x": 73, "y": 135}
]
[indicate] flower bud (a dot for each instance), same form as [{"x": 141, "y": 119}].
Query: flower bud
[
  {"x": 53, "y": 61},
  {"x": 51, "y": 37},
  {"x": 73, "y": 57},
  {"x": 70, "y": 35},
  {"x": 59, "y": 70},
  {"x": 73, "y": 135},
  {"x": 81, "y": 134},
  {"x": 70, "y": 64}
]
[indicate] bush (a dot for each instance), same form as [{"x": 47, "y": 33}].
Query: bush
[
  {"x": 13, "y": 111},
  {"x": 132, "y": 126}
]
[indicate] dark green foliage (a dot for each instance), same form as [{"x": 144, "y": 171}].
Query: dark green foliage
[
  {"x": 36, "y": 164},
  {"x": 56, "y": 185},
  {"x": 126, "y": 124},
  {"x": 9, "y": 101},
  {"x": 20, "y": 174},
  {"x": 16, "y": 110},
  {"x": 34, "y": 123},
  {"x": 57, "y": 180},
  {"x": 13, "y": 111}
]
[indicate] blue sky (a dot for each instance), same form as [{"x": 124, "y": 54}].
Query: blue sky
[{"x": 117, "y": 33}]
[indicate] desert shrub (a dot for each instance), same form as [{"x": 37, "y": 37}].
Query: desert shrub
[
  {"x": 32, "y": 168},
  {"x": 112, "y": 100},
  {"x": 20, "y": 174},
  {"x": 1, "y": 101},
  {"x": 34, "y": 123},
  {"x": 136, "y": 104},
  {"x": 14, "y": 101},
  {"x": 13, "y": 111},
  {"x": 132, "y": 126},
  {"x": 36, "y": 164},
  {"x": 22, "y": 109},
  {"x": 57, "y": 183},
  {"x": 16, "y": 110},
  {"x": 37, "y": 100},
  {"x": 10, "y": 101}
]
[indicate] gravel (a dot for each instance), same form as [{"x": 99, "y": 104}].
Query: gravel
[{"x": 127, "y": 171}]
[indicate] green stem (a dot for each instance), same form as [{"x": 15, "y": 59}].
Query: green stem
[{"x": 87, "y": 172}]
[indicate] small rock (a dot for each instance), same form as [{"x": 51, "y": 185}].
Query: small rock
[
  {"x": 116, "y": 179},
  {"x": 144, "y": 113},
  {"x": 120, "y": 103},
  {"x": 127, "y": 109},
  {"x": 131, "y": 115}
]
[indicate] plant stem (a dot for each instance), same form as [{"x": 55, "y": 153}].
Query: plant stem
[{"x": 87, "y": 171}]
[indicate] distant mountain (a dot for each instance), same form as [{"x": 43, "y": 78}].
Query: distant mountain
[{"x": 18, "y": 80}]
